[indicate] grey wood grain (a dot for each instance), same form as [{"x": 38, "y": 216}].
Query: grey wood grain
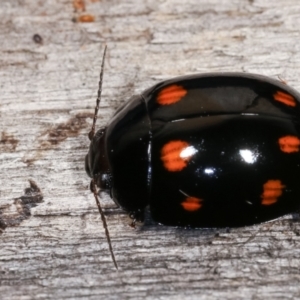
[{"x": 57, "y": 248}]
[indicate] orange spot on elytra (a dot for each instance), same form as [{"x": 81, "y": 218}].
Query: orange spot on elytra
[
  {"x": 171, "y": 155},
  {"x": 272, "y": 191},
  {"x": 171, "y": 94},
  {"x": 289, "y": 144},
  {"x": 192, "y": 203},
  {"x": 285, "y": 98}
]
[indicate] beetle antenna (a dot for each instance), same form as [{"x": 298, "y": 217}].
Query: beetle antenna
[
  {"x": 93, "y": 185},
  {"x": 92, "y": 132},
  {"x": 94, "y": 190}
]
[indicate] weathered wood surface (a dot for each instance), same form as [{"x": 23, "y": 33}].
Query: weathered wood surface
[{"x": 57, "y": 248}]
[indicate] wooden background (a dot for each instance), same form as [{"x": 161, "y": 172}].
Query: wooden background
[{"x": 52, "y": 242}]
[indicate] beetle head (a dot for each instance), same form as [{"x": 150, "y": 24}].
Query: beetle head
[{"x": 96, "y": 163}]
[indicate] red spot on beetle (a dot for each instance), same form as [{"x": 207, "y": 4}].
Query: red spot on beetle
[
  {"x": 289, "y": 144},
  {"x": 171, "y": 94},
  {"x": 285, "y": 98},
  {"x": 174, "y": 156},
  {"x": 192, "y": 204},
  {"x": 272, "y": 191}
]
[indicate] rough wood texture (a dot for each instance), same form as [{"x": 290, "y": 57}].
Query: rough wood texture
[{"x": 57, "y": 248}]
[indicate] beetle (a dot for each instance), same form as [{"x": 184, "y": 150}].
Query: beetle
[{"x": 203, "y": 150}]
